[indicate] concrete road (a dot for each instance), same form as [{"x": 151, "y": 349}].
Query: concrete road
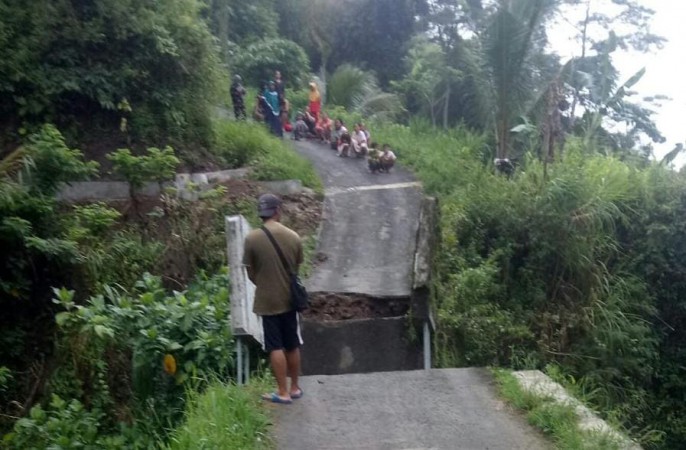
[
  {"x": 369, "y": 226},
  {"x": 437, "y": 409}
]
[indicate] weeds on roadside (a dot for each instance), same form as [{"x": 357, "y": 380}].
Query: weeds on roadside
[
  {"x": 559, "y": 421},
  {"x": 224, "y": 416}
]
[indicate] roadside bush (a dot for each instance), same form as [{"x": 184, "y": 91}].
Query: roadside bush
[
  {"x": 299, "y": 99},
  {"x": 134, "y": 355},
  {"x": 62, "y": 425},
  {"x": 31, "y": 236}
]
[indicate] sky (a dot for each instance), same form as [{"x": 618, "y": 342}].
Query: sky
[{"x": 665, "y": 68}]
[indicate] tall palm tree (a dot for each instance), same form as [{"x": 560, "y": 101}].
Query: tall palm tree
[{"x": 513, "y": 36}]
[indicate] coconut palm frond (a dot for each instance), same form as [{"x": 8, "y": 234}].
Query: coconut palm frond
[
  {"x": 348, "y": 83},
  {"x": 508, "y": 43},
  {"x": 380, "y": 105},
  {"x": 12, "y": 164}
]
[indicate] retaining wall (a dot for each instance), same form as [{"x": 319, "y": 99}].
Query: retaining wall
[{"x": 188, "y": 186}]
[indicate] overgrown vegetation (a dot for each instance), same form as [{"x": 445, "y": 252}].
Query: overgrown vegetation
[
  {"x": 129, "y": 357},
  {"x": 573, "y": 264},
  {"x": 87, "y": 66},
  {"x": 225, "y": 416},
  {"x": 126, "y": 351}
]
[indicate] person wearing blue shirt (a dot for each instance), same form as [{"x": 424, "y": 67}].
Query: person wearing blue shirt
[{"x": 273, "y": 113}]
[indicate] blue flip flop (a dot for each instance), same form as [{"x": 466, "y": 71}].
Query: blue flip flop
[
  {"x": 298, "y": 395},
  {"x": 274, "y": 398}
]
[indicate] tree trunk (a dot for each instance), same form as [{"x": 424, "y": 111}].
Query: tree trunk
[
  {"x": 584, "y": 37},
  {"x": 445, "y": 107}
]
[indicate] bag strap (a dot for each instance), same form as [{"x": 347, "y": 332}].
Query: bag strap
[{"x": 278, "y": 250}]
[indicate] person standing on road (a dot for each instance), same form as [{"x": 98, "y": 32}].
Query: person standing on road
[
  {"x": 280, "y": 84},
  {"x": 280, "y": 322},
  {"x": 273, "y": 114},
  {"x": 315, "y": 101},
  {"x": 237, "y": 92}
]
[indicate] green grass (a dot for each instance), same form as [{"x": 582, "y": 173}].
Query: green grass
[
  {"x": 309, "y": 248},
  {"x": 225, "y": 416},
  {"x": 558, "y": 421},
  {"x": 285, "y": 164},
  {"x": 240, "y": 144}
]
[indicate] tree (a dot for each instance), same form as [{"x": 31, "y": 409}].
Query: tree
[
  {"x": 606, "y": 27},
  {"x": 514, "y": 32},
  {"x": 429, "y": 79},
  {"x": 447, "y": 20},
  {"x": 258, "y": 61},
  {"x": 72, "y": 63}
]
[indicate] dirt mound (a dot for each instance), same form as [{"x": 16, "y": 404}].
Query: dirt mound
[{"x": 325, "y": 306}]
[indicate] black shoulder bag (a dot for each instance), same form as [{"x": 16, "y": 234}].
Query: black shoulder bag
[{"x": 299, "y": 299}]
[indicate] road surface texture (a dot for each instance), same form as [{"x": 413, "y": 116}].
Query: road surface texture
[
  {"x": 447, "y": 409},
  {"x": 369, "y": 233},
  {"x": 369, "y": 226}
]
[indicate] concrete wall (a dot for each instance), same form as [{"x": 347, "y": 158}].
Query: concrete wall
[
  {"x": 243, "y": 320},
  {"x": 188, "y": 186},
  {"x": 423, "y": 259},
  {"x": 355, "y": 346}
]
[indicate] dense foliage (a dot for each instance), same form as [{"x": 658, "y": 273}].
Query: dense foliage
[
  {"x": 575, "y": 264},
  {"x": 129, "y": 357},
  {"x": 73, "y": 63}
]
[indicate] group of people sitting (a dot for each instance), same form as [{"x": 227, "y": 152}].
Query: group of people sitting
[
  {"x": 273, "y": 108},
  {"x": 346, "y": 144}
]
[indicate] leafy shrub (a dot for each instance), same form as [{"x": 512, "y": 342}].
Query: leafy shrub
[
  {"x": 5, "y": 378},
  {"x": 164, "y": 340},
  {"x": 31, "y": 235},
  {"x": 349, "y": 84},
  {"x": 158, "y": 165},
  {"x": 62, "y": 425},
  {"x": 53, "y": 163},
  {"x": 299, "y": 100}
]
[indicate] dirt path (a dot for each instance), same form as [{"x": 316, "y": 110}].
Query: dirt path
[{"x": 369, "y": 226}]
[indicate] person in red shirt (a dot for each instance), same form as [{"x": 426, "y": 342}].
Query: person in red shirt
[{"x": 315, "y": 101}]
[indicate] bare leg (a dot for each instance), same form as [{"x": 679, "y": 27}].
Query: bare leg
[
  {"x": 277, "y": 358},
  {"x": 293, "y": 359}
]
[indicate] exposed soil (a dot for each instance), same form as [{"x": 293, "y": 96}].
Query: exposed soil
[
  {"x": 327, "y": 306},
  {"x": 202, "y": 226}
]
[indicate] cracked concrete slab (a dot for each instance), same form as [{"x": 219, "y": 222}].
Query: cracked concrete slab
[{"x": 369, "y": 227}]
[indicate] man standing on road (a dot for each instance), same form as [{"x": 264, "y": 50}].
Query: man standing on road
[{"x": 280, "y": 321}]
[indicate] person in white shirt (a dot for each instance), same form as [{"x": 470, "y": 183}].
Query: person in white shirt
[
  {"x": 359, "y": 141},
  {"x": 340, "y": 138},
  {"x": 387, "y": 159},
  {"x": 366, "y": 133}
]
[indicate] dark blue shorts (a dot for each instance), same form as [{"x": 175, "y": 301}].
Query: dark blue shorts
[{"x": 282, "y": 332}]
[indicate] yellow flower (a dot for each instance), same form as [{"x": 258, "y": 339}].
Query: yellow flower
[{"x": 169, "y": 364}]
